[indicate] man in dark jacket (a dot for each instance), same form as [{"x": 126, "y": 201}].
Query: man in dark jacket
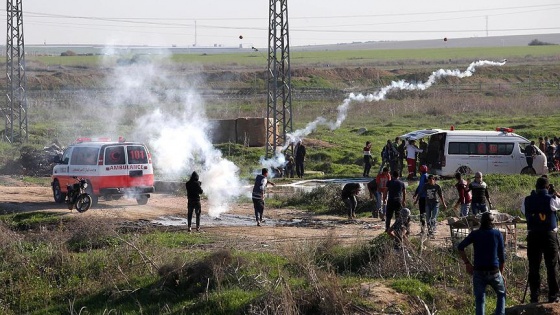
[
  {"x": 540, "y": 210},
  {"x": 396, "y": 199},
  {"x": 530, "y": 152},
  {"x": 349, "y": 193},
  {"x": 300, "y": 158},
  {"x": 194, "y": 190},
  {"x": 489, "y": 258}
]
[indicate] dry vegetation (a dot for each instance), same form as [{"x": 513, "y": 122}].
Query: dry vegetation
[{"x": 52, "y": 264}]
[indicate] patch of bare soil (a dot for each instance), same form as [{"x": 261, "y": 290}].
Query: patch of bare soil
[
  {"x": 318, "y": 144},
  {"x": 281, "y": 225},
  {"x": 534, "y": 309}
]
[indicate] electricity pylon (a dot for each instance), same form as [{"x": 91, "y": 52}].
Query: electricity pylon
[
  {"x": 279, "y": 105},
  {"x": 15, "y": 109}
]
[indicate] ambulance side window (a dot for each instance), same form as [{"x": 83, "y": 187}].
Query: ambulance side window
[
  {"x": 66, "y": 156},
  {"x": 84, "y": 156},
  {"x": 114, "y": 155}
]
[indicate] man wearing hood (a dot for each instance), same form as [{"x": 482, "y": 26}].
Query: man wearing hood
[{"x": 194, "y": 190}]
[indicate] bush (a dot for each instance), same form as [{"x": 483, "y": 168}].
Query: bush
[
  {"x": 91, "y": 234},
  {"x": 536, "y": 42},
  {"x": 68, "y": 53}
]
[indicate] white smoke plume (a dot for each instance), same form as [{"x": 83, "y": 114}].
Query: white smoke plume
[
  {"x": 380, "y": 95},
  {"x": 176, "y": 129}
]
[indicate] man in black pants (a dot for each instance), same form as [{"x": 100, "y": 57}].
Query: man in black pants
[
  {"x": 530, "y": 152},
  {"x": 396, "y": 198},
  {"x": 259, "y": 193},
  {"x": 300, "y": 158},
  {"x": 349, "y": 193},
  {"x": 540, "y": 211},
  {"x": 194, "y": 190}
]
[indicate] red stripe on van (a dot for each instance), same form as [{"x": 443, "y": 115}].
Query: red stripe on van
[{"x": 118, "y": 181}]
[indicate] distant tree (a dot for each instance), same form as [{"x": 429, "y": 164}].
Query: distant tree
[
  {"x": 68, "y": 53},
  {"x": 536, "y": 42}
]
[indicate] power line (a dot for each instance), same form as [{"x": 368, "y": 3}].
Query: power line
[{"x": 144, "y": 19}]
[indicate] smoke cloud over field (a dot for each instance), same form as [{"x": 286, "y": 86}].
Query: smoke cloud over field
[
  {"x": 174, "y": 125},
  {"x": 380, "y": 95}
]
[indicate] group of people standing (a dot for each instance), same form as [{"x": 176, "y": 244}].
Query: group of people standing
[
  {"x": 394, "y": 154},
  {"x": 551, "y": 148},
  {"x": 296, "y": 164},
  {"x": 473, "y": 197},
  {"x": 540, "y": 210}
]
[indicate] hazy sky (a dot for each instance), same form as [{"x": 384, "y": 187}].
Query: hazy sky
[{"x": 311, "y": 22}]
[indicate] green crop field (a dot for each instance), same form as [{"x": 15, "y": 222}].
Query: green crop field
[{"x": 332, "y": 57}]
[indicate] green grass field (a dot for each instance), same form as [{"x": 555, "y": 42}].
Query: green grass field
[{"x": 333, "y": 57}]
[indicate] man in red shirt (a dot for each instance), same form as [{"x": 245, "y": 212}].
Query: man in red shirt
[{"x": 464, "y": 200}]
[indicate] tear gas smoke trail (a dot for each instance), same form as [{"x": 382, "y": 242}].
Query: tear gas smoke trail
[
  {"x": 380, "y": 95},
  {"x": 177, "y": 131}
]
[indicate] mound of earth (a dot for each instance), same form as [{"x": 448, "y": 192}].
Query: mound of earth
[{"x": 534, "y": 309}]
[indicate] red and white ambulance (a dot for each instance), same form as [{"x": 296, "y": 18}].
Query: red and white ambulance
[{"x": 112, "y": 169}]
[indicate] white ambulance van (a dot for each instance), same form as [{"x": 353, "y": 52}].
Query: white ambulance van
[
  {"x": 112, "y": 169},
  {"x": 468, "y": 151}
]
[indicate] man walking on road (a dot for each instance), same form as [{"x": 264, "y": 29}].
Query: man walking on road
[
  {"x": 259, "y": 191},
  {"x": 396, "y": 198}
]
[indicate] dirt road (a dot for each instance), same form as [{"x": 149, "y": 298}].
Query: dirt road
[{"x": 237, "y": 225}]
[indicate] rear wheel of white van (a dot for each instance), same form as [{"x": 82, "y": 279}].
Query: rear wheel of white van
[
  {"x": 142, "y": 199},
  {"x": 465, "y": 170},
  {"x": 528, "y": 170},
  {"x": 58, "y": 195}
]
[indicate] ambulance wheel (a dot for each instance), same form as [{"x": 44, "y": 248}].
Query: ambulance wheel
[
  {"x": 58, "y": 195},
  {"x": 464, "y": 170},
  {"x": 142, "y": 200},
  {"x": 528, "y": 170}
]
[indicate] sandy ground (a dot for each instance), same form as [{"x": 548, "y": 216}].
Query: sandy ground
[{"x": 237, "y": 226}]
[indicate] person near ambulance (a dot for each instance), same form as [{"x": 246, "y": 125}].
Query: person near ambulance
[{"x": 411, "y": 150}]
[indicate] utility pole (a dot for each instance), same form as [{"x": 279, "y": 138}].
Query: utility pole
[
  {"x": 15, "y": 110},
  {"x": 279, "y": 104}
]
